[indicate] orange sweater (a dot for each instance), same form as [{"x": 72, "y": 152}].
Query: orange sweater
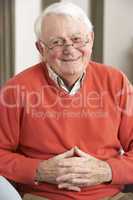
[{"x": 39, "y": 120}]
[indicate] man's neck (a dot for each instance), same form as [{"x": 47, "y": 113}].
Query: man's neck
[
  {"x": 70, "y": 81},
  {"x": 71, "y": 85}
]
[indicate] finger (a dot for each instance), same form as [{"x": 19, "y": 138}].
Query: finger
[
  {"x": 74, "y": 188},
  {"x": 69, "y": 187},
  {"x": 74, "y": 161},
  {"x": 83, "y": 182},
  {"x": 82, "y": 153},
  {"x": 80, "y": 181},
  {"x": 67, "y": 178},
  {"x": 74, "y": 170},
  {"x": 67, "y": 154}
]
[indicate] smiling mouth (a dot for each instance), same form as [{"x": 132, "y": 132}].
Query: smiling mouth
[{"x": 70, "y": 60}]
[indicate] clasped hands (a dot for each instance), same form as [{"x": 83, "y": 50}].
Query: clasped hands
[{"x": 73, "y": 170}]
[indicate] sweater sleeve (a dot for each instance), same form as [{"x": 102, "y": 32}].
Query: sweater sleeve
[
  {"x": 13, "y": 165},
  {"x": 122, "y": 165}
]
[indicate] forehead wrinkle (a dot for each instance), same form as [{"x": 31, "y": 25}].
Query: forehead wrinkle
[
  {"x": 60, "y": 26},
  {"x": 60, "y": 37}
]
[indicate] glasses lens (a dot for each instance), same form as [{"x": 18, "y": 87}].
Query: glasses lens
[
  {"x": 55, "y": 43},
  {"x": 59, "y": 43}
]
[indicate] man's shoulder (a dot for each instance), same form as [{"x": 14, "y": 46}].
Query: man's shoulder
[
  {"x": 107, "y": 77},
  {"x": 104, "y": 71},
  {"x": 27, "y": 76},
  {"x": 104, "y": 68}
]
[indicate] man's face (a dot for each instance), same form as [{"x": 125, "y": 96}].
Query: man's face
[{"x": 68, "y": 45}]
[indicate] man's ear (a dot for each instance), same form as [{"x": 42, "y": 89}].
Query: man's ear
[
  {"x": 92, "y": 38},
  {"x": 39, "y": 48}
]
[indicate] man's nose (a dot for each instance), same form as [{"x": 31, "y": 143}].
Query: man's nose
[
  {"x": 68, "y": 47},
  {"x": 67, "y": 44}
]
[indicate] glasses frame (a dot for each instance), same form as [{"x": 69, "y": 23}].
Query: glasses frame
[{"x": 65, "y": 44}]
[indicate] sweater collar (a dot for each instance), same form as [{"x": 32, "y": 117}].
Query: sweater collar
[{"x": 60, "y": 83}]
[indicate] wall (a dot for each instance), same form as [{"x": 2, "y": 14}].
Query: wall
[
  {"x": 118, "y": 35},
  {"x": 26, "y": 12}
]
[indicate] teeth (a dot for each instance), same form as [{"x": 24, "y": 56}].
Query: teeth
[{"x": 70, "y": 60}]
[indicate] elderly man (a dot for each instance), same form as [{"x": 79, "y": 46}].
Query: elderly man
[{"x": 66, "y": 125}]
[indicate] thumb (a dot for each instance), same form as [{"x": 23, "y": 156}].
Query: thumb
[
  {"x": 81, "y": 153},
  {"x": 67, "y": 154}
]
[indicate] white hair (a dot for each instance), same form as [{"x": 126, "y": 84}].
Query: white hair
[{"x": 64, "y": 8}]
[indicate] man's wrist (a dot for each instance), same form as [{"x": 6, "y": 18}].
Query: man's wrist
[
  {"x": 38, "y": 177},
  {"x": 108, "y": 177}
]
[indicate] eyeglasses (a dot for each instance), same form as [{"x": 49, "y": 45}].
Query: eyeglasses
[{"x": 60, "y": 43}]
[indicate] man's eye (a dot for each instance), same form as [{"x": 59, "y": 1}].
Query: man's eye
[
  {"x": 76, "y": 39},
  {"x": 57, "y": 42}
]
